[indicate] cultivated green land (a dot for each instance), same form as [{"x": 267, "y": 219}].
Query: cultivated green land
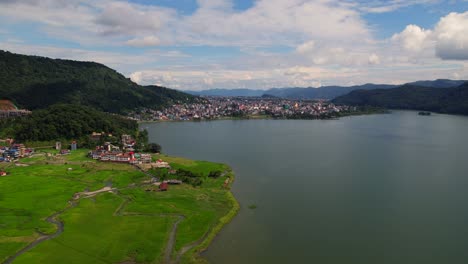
[{"x": 128, "y": 224}]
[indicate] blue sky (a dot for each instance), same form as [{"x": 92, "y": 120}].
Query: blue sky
[{"x": 258, "y": 44}]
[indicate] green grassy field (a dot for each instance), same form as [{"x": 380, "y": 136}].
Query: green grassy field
[{"x": 129, "y": 224}]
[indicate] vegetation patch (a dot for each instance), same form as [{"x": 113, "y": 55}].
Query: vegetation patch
[
  {"x": 66, "y": 122},
  {"x": 34, "y": 82},
  {"x": 126, "y": 223}
]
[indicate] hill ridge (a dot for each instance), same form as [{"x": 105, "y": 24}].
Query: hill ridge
[
  {"x": 452, "y": 100},
  {"x": 36, "y": 82}
]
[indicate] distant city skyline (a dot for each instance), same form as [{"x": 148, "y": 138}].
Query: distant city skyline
[{"x": 207, "y": 44}]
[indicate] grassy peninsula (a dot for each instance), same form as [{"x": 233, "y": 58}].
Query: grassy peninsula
[{"x": 70, "y": 208}]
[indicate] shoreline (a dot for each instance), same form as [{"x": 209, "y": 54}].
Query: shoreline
[
  {"x": 261, "y": 117},
  {"x": 222, "y": 222},
  {"x": 206, "y": 120}
]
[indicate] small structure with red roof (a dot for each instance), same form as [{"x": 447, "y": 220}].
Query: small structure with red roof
[{"x": 163, "y": 186}]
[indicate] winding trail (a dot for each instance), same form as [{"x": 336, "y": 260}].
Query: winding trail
[
  {"x": 51, "y": 219},
  {"x": 167, "y": 259},
  {"x": 171, "y": 242}
]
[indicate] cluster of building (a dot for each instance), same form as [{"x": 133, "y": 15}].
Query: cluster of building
[
  {"x": 8, "y": 109},
  {"x": 10, "y": 151},
  {"x": 73, "y": 146},
  {"x": 112, "y": 153},
  {"x": 222, "y": 107}
]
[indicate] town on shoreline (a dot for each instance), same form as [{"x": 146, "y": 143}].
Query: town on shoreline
[{"x": 214, "y": 108}]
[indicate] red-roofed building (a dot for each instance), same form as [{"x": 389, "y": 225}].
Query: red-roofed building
[
  {"x": 163, "y": 186},
  {"x": 6, "y": 105},
  {"x": 8, "y": 109}
]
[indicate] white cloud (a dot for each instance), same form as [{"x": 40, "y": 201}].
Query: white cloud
[
  {"x": 271, "y": 21},
  {"x": 413, "y": 38},
  {"x": 305, "y": 47},
  {"x": 124, "y": 18},
  {"x": 214, "y": 23},
  {"x": 336, "y": 54},
  {"x": 384, "y": 6},
  {"x": 374, "y": 59},
  {"x": 448, "y": 40},
  {"x": 451, "y": 35},
  {"x": 222, "y": 78},
  {"x": 144, "y": 42}
]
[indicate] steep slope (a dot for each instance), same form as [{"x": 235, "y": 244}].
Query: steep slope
[
  {"x": 37, "y": 82},
  {"x": 449, "y": 100}
]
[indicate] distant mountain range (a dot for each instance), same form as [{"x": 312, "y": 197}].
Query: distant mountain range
[
  {"x": 451, "y": 100},
  {"x": 325, "y": 92},
  {"x": 37, "y": 82},
  {"x": 228, "y": 92}
]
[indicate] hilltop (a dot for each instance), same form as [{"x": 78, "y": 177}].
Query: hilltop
[
  {"x": 448, "y": 100},
  {"x": 34, "y": 82}
]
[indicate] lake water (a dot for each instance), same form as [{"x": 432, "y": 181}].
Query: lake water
[{"x": 389, "y": 188}]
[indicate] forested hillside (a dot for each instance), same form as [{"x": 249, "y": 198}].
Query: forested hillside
[
  {"x": 36, "y": 82},
  {"x": 63, "y": 121},
  {"x": 448, "y": 100}
]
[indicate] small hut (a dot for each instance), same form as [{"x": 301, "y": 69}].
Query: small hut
[
  {"x": 163, "y": 186},
  {"x": 73, "y": 146}
]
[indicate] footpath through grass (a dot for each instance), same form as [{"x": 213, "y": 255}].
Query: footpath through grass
[{"x": 129, "y": 224}]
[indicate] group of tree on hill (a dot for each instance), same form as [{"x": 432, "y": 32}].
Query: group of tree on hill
[
  {"x": 441, "y": 100},
  {"x": 71, "y": 99},
  {"x": 65, "y": 121},
  {"x": 36, "y": 82}
]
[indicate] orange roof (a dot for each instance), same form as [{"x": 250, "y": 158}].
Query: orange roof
[{"x": 7, "y": 105}]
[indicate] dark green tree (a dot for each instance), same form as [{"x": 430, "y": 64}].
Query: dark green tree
[{"x": 154, "y": 148}]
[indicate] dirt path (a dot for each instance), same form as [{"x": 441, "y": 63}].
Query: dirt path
[
  {"x": 79, "y": 195},
  {"x": 51, "y": 219},
  {"x": 167, "y": 259},
  {"x": 171, "y": 242}
]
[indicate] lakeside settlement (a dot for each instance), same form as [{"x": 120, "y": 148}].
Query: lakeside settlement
[{"x": 245, "y": 107}]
